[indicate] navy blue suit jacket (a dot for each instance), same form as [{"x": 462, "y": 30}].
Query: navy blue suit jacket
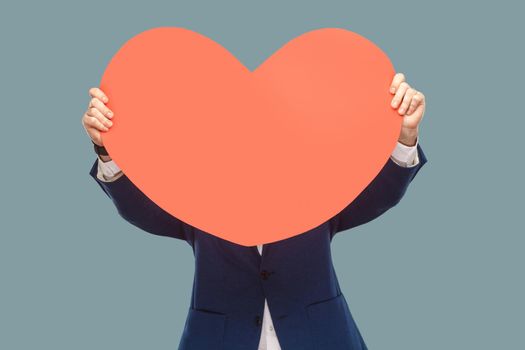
[{"x": 295, "y": 275}]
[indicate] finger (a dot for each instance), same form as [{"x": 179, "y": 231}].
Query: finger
[
  {"x": 416, "y": 101},
  {"x": 96, "y": 103},
  {"x": 93, "y": 112},
  {"x": 396, "y": 82},
  {"x": 93, "y": 122},
  {"x": 407, "y": 100},
  {"x": 400, "y": 92},
  {"x": 97, "y": 93}
]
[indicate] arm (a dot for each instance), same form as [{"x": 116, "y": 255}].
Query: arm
[
  {"x": 383, "y": 193},
  {"x": 390, "y": 185},
  {"x": 134, "y": 206}
]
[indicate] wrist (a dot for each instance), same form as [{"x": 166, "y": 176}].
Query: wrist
[
  {"x": 408, "y": 137},
  {"x": 104, "y": 158},
  {"x": 101, "y": 151}
]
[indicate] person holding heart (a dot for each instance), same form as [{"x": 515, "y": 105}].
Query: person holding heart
[{"x": 282, "y": 295}]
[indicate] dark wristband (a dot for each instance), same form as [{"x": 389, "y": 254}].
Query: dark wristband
[{"x": 100, "y": 150}]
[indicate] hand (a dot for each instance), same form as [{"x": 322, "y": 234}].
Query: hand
[
  {"x": 97, "y": 117},
  {"x": 409, "y": 103}
]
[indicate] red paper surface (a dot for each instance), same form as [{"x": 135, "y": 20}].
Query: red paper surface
[{"x": 251, "y": 157}]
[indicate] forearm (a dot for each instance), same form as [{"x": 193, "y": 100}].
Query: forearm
[
  {"x": 383, "y": 193},
  {"x": 133, "y": 205}
]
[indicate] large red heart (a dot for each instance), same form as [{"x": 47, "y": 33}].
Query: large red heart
[{"x": 250, "y": 157}]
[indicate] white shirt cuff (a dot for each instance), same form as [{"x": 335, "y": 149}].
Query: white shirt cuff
[
  {"x": 405, "y": 156},
  {"x": 108, "y": 171}
]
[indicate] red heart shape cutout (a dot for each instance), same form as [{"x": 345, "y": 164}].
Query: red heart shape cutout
[{"x": 250, "y": 157}]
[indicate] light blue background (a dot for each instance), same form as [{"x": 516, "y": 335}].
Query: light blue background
[{"x": 442, "y": 270}]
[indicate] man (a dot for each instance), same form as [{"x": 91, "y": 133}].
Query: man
[{"x": 282, "y": 295}]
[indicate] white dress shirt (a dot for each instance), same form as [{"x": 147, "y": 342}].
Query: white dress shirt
[{"x": 405, "y": 156}]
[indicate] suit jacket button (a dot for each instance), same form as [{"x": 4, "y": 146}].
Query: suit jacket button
[{"x": 265, "y": 274}]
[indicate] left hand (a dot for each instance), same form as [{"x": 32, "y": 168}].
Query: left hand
[{"x": 410, "y": 104}]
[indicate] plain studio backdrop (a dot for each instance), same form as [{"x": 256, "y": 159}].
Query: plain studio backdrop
[{"x": 442, "y": 270}]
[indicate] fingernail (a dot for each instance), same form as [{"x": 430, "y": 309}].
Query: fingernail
[
  {"x": 110, "y": 114},
  {"x": 110, "y": 123},
  {"x": 105, "y": 99},
  {"x": 392, "y": 89},
  {"x": 394, "y": 102},
  {"x": 401, "y": 110}
]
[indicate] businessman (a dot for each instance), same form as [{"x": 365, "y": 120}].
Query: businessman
[{"x": 281, "y": 295}]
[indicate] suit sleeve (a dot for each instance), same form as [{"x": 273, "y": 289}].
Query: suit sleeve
[
  {"x": 137, "y": 209},
  {"x": 383, "y": 193}
]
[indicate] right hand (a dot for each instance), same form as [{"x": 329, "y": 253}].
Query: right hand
[{"x": 97, "y": 117}]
